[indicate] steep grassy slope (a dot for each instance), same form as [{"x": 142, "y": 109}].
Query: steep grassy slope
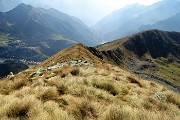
[{"x": 84, "y": 88}]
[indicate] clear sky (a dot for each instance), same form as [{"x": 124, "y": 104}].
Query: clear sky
[{"x": 89, "y": 11}]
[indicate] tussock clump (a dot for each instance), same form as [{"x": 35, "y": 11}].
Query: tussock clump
[
  {"x": 16, "y": 108},
  {"x": 51, "y": 107},
  {"x": 56, "y": 113},
  {"x": 48, "y": 93},
  {"x": 75, "y": 72},
  {"x": 83, "y": 110},
  {"x": 62, "y": 102},
  {"x": 115, "y": 112},
  {"x": 62, "y": 89},
  {"x": 77, "y": 90},
  {"x": 173, "y": 98},
  {"x": 18, "y": 84},
  {"x": 25, "y": 91},
  {"x": 109, "y": 87},
  {"x": 63, "y": 75},
  {"x": 148, "y": 106},
  {"x": 38, "y": 83},
  {"x": 8, "y": 86},
  {"x": 134, "y": 80},
  {"x": 152, "y": 103},
  {"x": 160, "y": 106},
  {"x": 59, "y": 84}
]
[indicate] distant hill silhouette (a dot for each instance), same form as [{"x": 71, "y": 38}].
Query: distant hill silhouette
[
  {"x": 126, "y": 21},
  {"x": 170, "y": 24}
]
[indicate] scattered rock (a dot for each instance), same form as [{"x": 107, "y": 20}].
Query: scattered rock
[
  {"x": 70, "y": 63},
  {"x": 160, "y": 96}
]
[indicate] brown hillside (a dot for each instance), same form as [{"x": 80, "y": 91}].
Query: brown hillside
[
  {"x": 76, "y": 52},
  {"x": 152, "y": 54}
]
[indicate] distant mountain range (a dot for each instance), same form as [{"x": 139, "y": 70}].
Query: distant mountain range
[
  {"x": 34, "y": 34},
  {"x": 128, "y": 20},
  {"x": 38, "y": 24},
  {"x": 170, "y": 24}
]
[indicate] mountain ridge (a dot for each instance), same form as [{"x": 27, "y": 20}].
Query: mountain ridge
[
  {"x": 40, "y": 31},
  {"x": 145, "y": 36},
  {"x": 124, "y": 23},
  {"x": 50, "y": 20},
  {"x": 170, "y": 24}
]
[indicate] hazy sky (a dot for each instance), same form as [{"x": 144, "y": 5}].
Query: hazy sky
[{"x": 89, "y": 11}]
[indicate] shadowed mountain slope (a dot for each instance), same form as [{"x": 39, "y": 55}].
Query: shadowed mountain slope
[
  {"x": 38, "y": 24},
  {"x": 154, "y": 43},
  {"x": 40, "y": 32},
  {"x": 150, "y": 54}
]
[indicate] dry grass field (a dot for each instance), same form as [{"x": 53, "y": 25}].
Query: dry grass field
[
  {"x": 76, "y": 85},
  {"x": 85, "y": 93}
]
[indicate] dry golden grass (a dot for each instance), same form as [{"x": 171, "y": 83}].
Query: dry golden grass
[{"x": 86, "y": 93}]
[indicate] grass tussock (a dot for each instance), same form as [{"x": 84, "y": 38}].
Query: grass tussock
[
  {"x": 82, "y": 110},
  {"x": 16, "y": 108},
  {"x": 173, "y": 98},
  {"x": 109, "y": 87},
  {"x": 48, "y": 93},
  {"x": 86, "y": 93},
  {"x": 75, "y": 72},
  {"x": 134, "y": 80}
]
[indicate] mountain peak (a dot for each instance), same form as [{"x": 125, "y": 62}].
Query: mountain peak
[
  {"x": 73, "y": 53},
  {"x": 24, "y": 6}
]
